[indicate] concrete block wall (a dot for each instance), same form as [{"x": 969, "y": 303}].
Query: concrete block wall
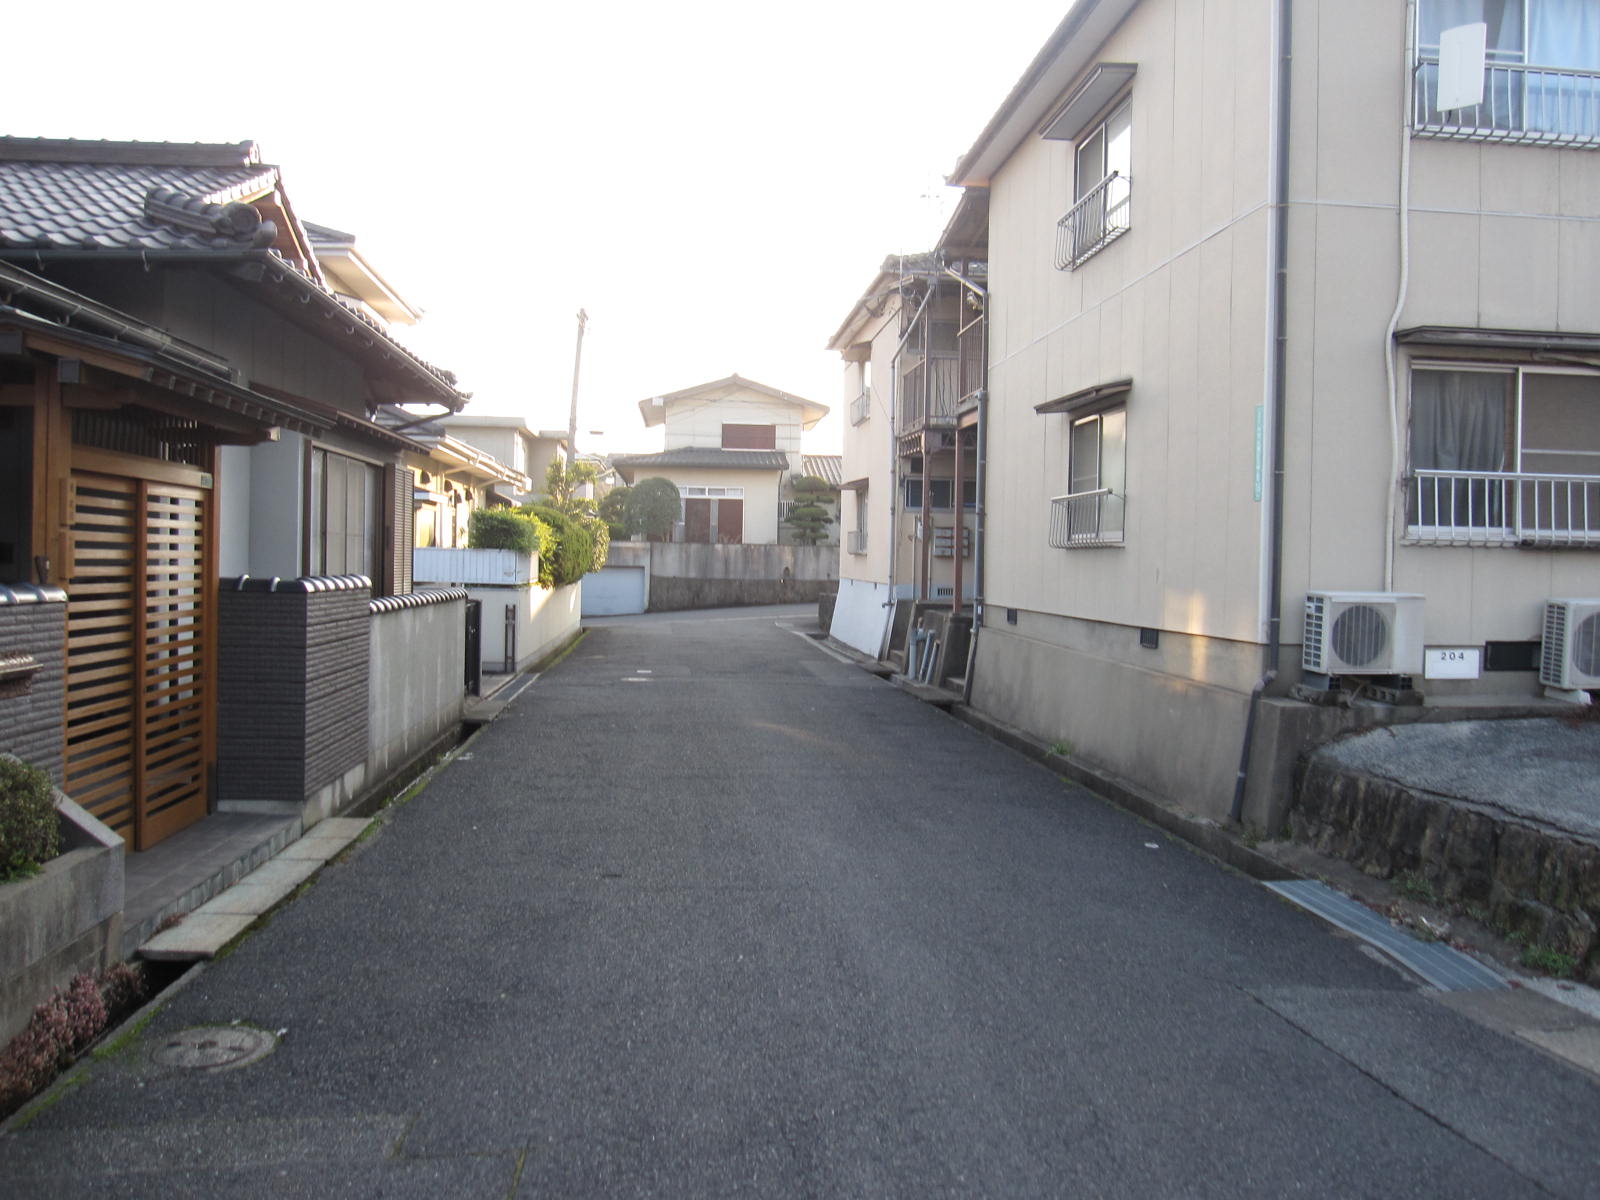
[
  {"x": 63, "y": 921},
  {"x": 33, "y": 622},
  {"x": 687, "y": 575},
  {"x": 418, "y": 649},
  {"x": 292, "y": 686}
]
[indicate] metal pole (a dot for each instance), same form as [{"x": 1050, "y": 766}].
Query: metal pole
[{"x": 572, "y": 421}]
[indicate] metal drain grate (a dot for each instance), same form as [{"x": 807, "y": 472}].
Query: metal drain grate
[
  {"x": 1447, "y": 969},
  {"x": 214, "y": 1048}
]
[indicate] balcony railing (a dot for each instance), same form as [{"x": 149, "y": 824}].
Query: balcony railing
[
  {"x": 1086, "y": 519},
  {"x": 861, "y": 407},
  {"x": 928, "y": 393},
  {"x": 1520, "y": 104},
  {"x": 969, "y": 352},
  {"x": 1094, "y": 222},
  {"x": 1498, "y": 508},
  {"x": 856, "y": 541}
]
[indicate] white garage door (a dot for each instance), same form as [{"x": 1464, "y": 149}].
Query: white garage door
[{"x": 611, "y": 591}]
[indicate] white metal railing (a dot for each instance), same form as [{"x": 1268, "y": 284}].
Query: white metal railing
[
  {"x": 1086, "y": 519},
  {"x": 856, "y": 541},
  {"x": 1520, "y": 104},
  {"x": 1501, "y": 508},
  {"x": 861, "y": 407},
  {"x": 1094, "y": 222}
]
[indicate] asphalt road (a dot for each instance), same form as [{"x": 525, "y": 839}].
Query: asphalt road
[{"x": 709, "y": 913}]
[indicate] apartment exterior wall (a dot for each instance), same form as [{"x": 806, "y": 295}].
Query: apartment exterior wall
[
  {"x": 869, "y": 452},
  {"x": 1501, "y": 237}
]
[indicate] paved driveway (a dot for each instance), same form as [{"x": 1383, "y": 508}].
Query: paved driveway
[{"x": 707, "y": 912}]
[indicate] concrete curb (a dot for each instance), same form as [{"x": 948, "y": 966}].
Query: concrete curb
[{"x": 1206, "y": 836}]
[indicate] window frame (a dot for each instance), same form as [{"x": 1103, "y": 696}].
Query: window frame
[
  {"x": 1527, "y": 98},
  {"x": 314, "y": 551},
  {"x": 1093, "y": 516},
  {"x": 1499, "y": 502}
]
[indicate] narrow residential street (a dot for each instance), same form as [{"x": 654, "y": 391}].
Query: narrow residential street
[{"x": 709, "y": 912}]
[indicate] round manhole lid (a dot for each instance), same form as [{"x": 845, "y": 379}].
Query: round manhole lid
[{"x": 214, "y": 1047}]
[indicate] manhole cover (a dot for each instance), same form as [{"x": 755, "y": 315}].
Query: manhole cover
[{"x": 214, "y": 1047}]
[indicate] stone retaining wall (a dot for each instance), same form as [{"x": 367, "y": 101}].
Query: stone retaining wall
[{"x": 1530, "y": 882}]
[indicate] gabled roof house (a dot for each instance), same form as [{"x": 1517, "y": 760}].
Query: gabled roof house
[{"x": 731, "y": 446}]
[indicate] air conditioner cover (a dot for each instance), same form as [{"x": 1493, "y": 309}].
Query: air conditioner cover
[
  {"x": 1363, "y": 633},
  {"x": 1570, "y": 655}
]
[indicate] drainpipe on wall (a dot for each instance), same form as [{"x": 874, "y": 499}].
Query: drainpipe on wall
[
  {"x": 1279, "y": 310},
  {"x": 1389, "y": 365},
  {"x": 894, "y": 445}
]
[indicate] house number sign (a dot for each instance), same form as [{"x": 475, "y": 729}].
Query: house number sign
[{"x": 1452, "y": 664}]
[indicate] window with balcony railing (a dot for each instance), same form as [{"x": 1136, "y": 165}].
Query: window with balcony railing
[
  {"x": 1503, "y": 456},
  {"x": 861, "y": 407},
  {"x": 1541, "y": 72},
  {"x": 1092, "y": 513},
  {"x": 1094, "y": 222},
  {"x": 1102, "y": 190},
  {"x": 1086, "y": 519}
]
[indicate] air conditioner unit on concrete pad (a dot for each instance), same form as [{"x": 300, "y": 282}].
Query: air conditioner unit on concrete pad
[{"x": 1363, "y": 633}]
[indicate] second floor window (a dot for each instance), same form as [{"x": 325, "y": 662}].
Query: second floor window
[
  {"x": 1101, "y": 189},
  {"x": 749, "y": 437},
  {"x": 1541, "y": 70}
]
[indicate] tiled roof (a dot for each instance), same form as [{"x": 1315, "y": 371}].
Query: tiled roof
[
  {"x": 827, "y": 467},
  {"x": 705, "y": 456},
  {"x": 54, "y": 196},
  {"x": 66, "y": 197}
]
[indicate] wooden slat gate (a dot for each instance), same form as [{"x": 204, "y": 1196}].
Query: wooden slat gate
[{"x": 139, "y": 735}]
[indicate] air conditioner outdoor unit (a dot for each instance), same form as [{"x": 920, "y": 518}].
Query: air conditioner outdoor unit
[
  {"x": 1570, "y": 656},
  {"x": 1363, "y": 633}
]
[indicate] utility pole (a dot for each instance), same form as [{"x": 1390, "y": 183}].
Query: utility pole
[{"x": 572, "y": 422}]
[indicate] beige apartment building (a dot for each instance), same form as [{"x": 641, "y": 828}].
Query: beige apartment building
[{"x": 1293, "y": 382}]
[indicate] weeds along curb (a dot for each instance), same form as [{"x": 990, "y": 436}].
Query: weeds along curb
[{"x": 113, "y": 1042}]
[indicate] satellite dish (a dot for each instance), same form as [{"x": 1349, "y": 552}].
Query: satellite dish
[{"x": 1462, "y": 52}]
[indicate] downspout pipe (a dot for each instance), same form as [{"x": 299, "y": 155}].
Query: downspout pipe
[
  {"x": 1279, "y": 310},
  {"x": 1390, "y": 366}
]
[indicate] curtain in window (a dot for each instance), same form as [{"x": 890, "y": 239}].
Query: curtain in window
[
  {"x": 1503, "y": 88},
  {"x": 1458, "y": 423},
  {"x": 1564, "y": 34}
]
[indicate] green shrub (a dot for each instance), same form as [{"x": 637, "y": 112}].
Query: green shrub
[
  {"x": 810, "y": 518},
  {"x": 653, "y": 507},
  {"x": 509, "y": 529},
  {"x": 30, "y": 829},
  {"x": 614, "y": 512},
  {"x": 573, "y": 555}
]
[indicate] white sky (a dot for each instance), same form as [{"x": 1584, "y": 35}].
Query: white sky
[{"x": 715, "y": 183}]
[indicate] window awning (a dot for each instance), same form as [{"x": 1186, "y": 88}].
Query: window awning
[
  {"x": 1466, "y": 338},
  {"x": 854, "y": 485},
  {"x": 1102, "y": 86},
  {"x": 1101, "y": 395}
]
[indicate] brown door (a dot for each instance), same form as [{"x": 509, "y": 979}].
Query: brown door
[
  {"x": 138, "y": 628},
  {"x": 696, "y": 520},
  {"x": 730, "y": 521}
]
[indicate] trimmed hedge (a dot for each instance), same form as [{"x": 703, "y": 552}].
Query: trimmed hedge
[
  {"x": 30, "y": 828},
  {"x": 509, "y": 529},
  {"x": 573, "y": 555}
]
